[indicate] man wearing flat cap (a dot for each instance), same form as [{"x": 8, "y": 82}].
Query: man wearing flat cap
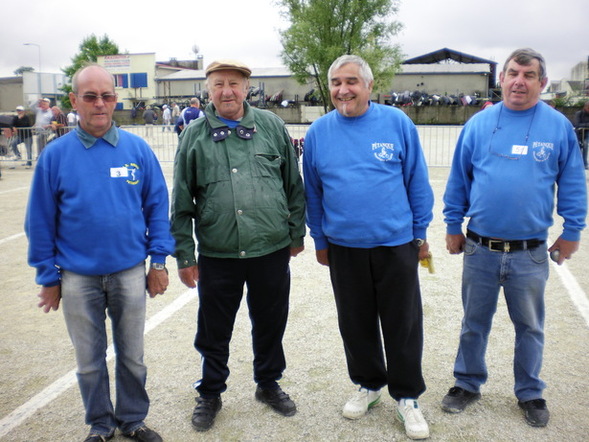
[{"x": 237, "y": 188}]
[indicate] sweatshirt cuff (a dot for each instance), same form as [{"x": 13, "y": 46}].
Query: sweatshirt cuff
[
  {"x": 159, "y": 259},
  {"x": 321, "y": 243},
  {"x": 420, "y": 233},
  {"x": 454, "y": 229},
  {"x": 571, "y": 235}
]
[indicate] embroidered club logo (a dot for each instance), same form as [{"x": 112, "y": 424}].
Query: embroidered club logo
[
  {"x": 132, "y": 171},
  {"x": 383, "y": 151},
  {"x": 542, "y": 151}
]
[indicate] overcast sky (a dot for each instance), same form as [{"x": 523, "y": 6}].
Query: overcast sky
[{"x": 248, "y": 30}]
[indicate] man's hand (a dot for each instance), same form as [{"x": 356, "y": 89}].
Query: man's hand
[
  {"x": 189, "y": 276},
  {"x": 565, "y": 249},
  {"x": 455, "y": 243},
  {"x": 322, "y": 257},
  {"x": 294, "y": 251},
  {"x": 424, "y": 251},
  {"x": 157, "y": 282},
  {"x": 50, "y": 297}
]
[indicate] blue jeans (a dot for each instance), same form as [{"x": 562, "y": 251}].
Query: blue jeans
[
  {"x": 28, "y": 144},
  {"x": 86, "y": 300},
  {"x": 523, "y": 275}
]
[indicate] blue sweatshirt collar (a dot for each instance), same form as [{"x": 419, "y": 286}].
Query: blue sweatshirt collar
[
  {"x": 359, "y": 117},
  {"x": 111, "y": 137}
]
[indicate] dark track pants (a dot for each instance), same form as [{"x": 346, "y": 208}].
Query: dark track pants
[
  {"x": 380, "y": 284},
  {"x": 220, "y": 286}
]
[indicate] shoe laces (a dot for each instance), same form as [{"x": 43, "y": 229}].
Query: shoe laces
[
  {"x": 411, "y": 411},
  {"x": 538, "y": 404},
  {"x": 361, "y": 393},
  {"x": 204, "y": 405},
  {"x": 279, "y": 395}
]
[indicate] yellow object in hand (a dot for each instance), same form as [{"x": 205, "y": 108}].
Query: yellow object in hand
[{"x": 428, "y": 263}]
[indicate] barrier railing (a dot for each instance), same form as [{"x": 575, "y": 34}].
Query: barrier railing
[{"x": 437, "y": 141}]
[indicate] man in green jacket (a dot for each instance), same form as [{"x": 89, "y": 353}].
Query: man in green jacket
[{"x": 237, "y": 187}]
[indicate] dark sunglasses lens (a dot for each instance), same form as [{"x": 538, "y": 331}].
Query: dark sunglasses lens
[{"x": 91, "y": 98}]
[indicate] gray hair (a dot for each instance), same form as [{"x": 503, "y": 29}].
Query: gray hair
[
  {"x": 83, "y": 68},
  {"x": 194, "y": 100},
  {"x": 524, "y": 57},
  {"x": 365, "y": 71}
]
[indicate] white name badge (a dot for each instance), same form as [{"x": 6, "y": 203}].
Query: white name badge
[
  {"x": 519, "y": 150},
  {"x": 119, "y": 172}
]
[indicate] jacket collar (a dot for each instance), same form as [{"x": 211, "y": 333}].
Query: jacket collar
[{"x": 219, "y": 130}]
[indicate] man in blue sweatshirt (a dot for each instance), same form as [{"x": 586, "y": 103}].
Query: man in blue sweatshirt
[
  {"x": 369, "y": 204},
  {"x": 98, "y": 208},
  {"x": 508, "y": 162}
]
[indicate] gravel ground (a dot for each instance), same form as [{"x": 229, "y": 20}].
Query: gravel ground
[{"x": 35, "y": 352}]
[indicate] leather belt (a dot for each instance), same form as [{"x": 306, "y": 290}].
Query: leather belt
[{"x": 500, "y": 245}]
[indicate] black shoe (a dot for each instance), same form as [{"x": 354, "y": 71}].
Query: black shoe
[
  {"x": 536, "y": 412},
  {"x": 458, "y": 399},
  {"x": 144, "y": 434},
  {"x": 93, "y": 437},
  {"x": 205, "y": 412},
  {"x": 278, "y": 400}
]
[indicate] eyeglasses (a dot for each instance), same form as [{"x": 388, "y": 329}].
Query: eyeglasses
[{"x": 91, "y": 98}]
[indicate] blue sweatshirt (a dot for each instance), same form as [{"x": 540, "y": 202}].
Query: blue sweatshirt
[
  {"x": 504, "y": 172},
  {"x": 97, "y": 206},
  {"x": 366, "y": 180}
]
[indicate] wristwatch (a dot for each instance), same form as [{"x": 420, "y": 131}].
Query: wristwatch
[
  {"x": 158, "y": 266},
  {"x": 419, "y": 241}
]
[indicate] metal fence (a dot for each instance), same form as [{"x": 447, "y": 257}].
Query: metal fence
[{"x": 438, "y": 142}]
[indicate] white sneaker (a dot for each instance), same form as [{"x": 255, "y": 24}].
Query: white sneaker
[
  {"x": 361, "y": 402},
  {"x": 409, "y": 413}
]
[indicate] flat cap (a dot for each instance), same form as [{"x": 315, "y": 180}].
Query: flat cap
[{"x": 227, "y": 64}]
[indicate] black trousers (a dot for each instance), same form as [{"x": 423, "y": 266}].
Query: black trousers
[
  {"x": 378, "y": 289},
  {"x": 220, "y": 286}
]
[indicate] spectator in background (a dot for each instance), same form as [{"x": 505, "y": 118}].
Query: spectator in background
[
  {"x": 42, "y": 127},
  {"x": 189, "y": 114},
  {"x": 581, "y": 123},
  {"x": 192, "y": 112},
  {"x": 175, "y": 112},
  {"x": 58, "y": 122},
  {"x": 72, "y": 118},
  {"x": 149, "y": 117},
  {"x": 21, "y": 133},
  {"x": 167, "y": 118}
]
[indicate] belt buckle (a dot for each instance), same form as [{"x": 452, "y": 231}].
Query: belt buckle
[{"x": 496, "y": 245}]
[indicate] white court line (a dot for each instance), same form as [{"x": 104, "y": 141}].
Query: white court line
[
  {"x": 18, "y": 416},
  {"x": 11, "y": 237},
  {"x": 3, "y": 192},
  {"x": 575, "y": 291}
]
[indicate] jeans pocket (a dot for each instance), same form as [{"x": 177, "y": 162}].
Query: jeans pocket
[
  {"x": 470, "y": 247},
  {"x": 538, "y": 254}
]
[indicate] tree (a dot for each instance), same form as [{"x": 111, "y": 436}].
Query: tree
[
  {"x": 322, "y": 30},
  {"x": 90, "y": 48},
  {"x": 23, "y": 69}
]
